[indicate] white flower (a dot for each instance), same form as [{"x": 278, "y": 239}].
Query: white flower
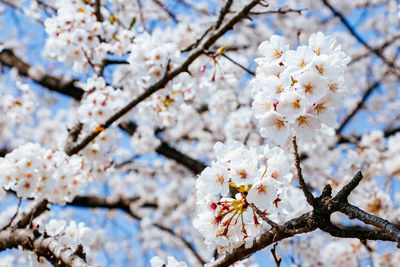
[
  {"x": 305, "y": 125},
  {"x": 300, "y": 58},
  {"x": 273, "y": 49},
  {"x": 216, "y": 179},
  {"x": 321, "y": 44},
  {"x": 274, "y": 126},
  {"x": 263, "y": 103},
  {"x": 263, "y": 193},
  {"x": 312, "y": 86},
  {"x": 291, "y": 105}
]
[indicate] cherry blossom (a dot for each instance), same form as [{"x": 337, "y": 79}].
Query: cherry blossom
[{"x": 295, "y": 90}]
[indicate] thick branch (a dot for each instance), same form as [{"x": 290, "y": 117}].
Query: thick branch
[
  {"x": 47, "y": 247},
  {"x": 169, "y": 152},
  {"x": 265, "y": 240},
  {"x": 100, "y": 202},
  {"x": 97, "y": 8},
  {"x": 9, "y": 59},
  {"x": 355, "y": 212},
  {"x": 361, "y": 233},
  {"x": 25, "y": 218}
]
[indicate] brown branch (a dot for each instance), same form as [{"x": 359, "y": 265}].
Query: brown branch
[
  {"x": 344, "y": 193},
  {"x": 24, "y": 219},
  {"x": 222, "y": 13},
  {"x": 9, "y": 59},
  {"x": 357, "y": 36},
  {"x": 97, "y": 7},
  {"x": 42, "y": 245},
  {"x": 169, "y": 152},
  {"x": 273, "y": 252},
  {"x": 273, "y": 224},
  {"x": 366, "y": 94},
  {"x": 323, "y": 207},
  {"x": 355, "y": 212},
  {"x": 359, "y": 233},
  {"x": 280, "y": 11},
  {"x": 169, "y": 12},
  {"x": 252, "y": 73},
  {"x": 309, "y": 196},
  {"x": 100, "y": 202},
  {"x": 356, "y": 138},
  {"x": 266, "y": 239},
  {"x": 380, "y": 48},
  {"x": 14, "y": 216}
]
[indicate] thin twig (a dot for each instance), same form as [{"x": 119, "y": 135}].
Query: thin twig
[
  {"x": 252, "y": 73},
  {"x": 344, "y": 193},
  {"x": 364, "y": 98},
  {"x": 280, "y": 11},
  {"x": 357, "y": 36},
  {"x": 273, "y": 252},
  {"x": 169, "y": 12},
  {"x": 14, "y": 216},
  {"x": 222, "y": 13},
  {"x": 303, "y": 185}
]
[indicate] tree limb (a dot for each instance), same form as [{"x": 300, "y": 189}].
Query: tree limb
[{"x": 43, "y": 245}]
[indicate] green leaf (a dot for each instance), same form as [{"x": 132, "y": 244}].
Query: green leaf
[{"x": 133, "y": 21}]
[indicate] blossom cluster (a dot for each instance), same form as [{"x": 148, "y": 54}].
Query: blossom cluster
[
  {"x": 16, "y": 110},
  {"x": 150, "y": 56},
  {"x": 295, "y": 91},
  {"x": 101, "y": 102},
  {"x": 259, "y": 179},
  {"x": 34, "y": 172},
  {"x": 77, "y": 38}
]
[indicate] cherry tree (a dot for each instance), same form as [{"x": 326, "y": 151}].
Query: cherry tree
[{"x": 190, "y": 133}]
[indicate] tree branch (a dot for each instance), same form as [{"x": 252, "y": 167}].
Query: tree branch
[
  {"x": 42, "y": 245},
  {"x": 169, "y": 12},
  {"x": 265, "y": 240},
  {"x": 222, "y": 13},
  {"x": 9, "y": 59},
  {"x": 357, "y": 36},
  {"x": 366, "y": 94},
  {"x": 344, "y": 193},
  {"x": 355, "y": 212},
  {"x": 309, "y": 196}
]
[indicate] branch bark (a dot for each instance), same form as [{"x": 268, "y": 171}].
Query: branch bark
[{"x": 45, "y": 246}]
